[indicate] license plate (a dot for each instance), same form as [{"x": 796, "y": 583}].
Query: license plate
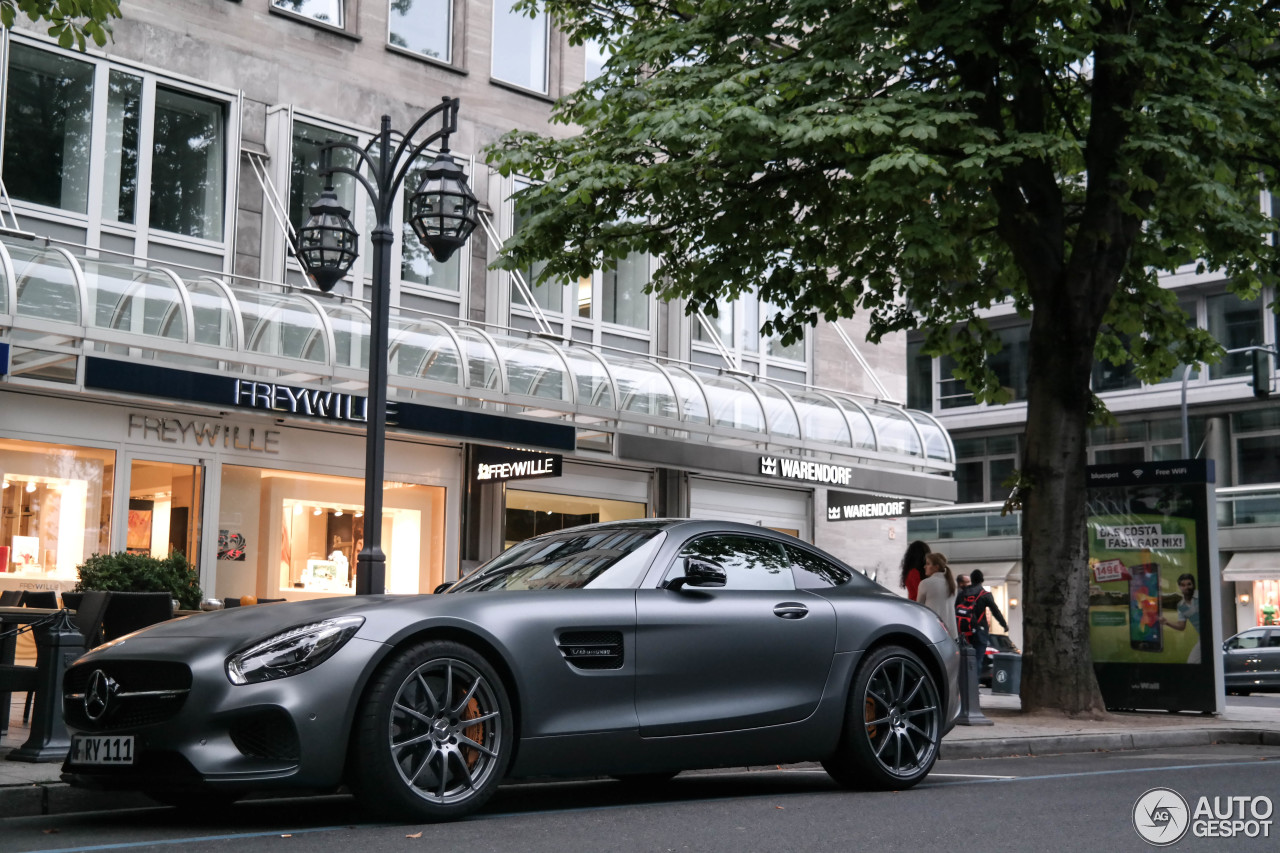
[{"x": 102, "y": 749}]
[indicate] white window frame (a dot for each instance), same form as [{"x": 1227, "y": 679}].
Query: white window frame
[
  {"x": 361, "y": 275},
  {"x": 140, "y": 230},
  {"x": 546, "y": 51},
  {"x": 747, "y": 358},
  {"x": 567, "y": 320},
  {"x": 310, "y": 18},
  {"x": 451, "y": 16}
]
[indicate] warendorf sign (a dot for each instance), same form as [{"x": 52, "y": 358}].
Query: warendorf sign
[{"x": 809, "y": 472}]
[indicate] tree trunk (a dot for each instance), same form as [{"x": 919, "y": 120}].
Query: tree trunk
[{"x": 1057, "y": 665}]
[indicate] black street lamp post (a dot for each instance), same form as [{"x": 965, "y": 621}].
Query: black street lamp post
[{"x": 442, "y": 213}]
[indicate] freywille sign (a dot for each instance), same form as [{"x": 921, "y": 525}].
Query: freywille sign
[
  {"x": 303, "y": 401},
  {"x": 809, "y": 472},
  {"x": 848, "y": 506},
  {"x": 498, "y": 464}
]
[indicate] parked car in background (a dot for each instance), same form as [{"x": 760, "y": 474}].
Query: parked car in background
[
  {"x": 999, "y": 643},
  {"x": 1251, "y": 661},
  {"x": 635, "y": 649}
]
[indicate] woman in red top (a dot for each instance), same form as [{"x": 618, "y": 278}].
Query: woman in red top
[{"x": 913, "y": 567}]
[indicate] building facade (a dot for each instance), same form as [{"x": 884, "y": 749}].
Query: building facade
[
  {"x": 1227, "y": 423},
  {"x": 169, "y": 379}
]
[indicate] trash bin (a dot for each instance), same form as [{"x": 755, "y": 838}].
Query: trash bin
[{"x": 1006, "y": 672}]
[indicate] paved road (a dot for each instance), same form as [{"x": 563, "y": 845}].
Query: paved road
[{"x": 1061, "y": 803}]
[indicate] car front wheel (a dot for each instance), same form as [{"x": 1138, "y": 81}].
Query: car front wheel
[
  {"x": 893, "y": 724},
  {"x": 434, "y": 735}
]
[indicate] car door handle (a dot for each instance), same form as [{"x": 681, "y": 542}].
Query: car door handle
[{"x": 790, "y": 610}]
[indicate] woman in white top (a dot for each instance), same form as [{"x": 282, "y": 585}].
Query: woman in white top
[{"x": 938, "y": 591}]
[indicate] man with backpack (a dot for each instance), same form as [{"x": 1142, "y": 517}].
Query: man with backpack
[{"x": 972, "y": 604}]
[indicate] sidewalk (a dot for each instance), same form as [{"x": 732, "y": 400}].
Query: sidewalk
[{"x": 34, "y": 789}]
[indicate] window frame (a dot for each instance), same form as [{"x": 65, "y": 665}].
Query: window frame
[
  {"x": 452, "y": 40},
  {"x": 545, "y": 91},
  {"x": 747, "y": 358},
  {"x": 342, "y": 27},
  {"x": 359, "y": 279},
  {"x": 140, "y": 231},
  {"x": 593, "y": 329}
]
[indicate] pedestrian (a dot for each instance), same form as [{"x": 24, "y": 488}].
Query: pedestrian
[
  {"x": 913, "y": 568},
  {"x": 938, "y": 591},
  {"x": 972, "y": 605}
]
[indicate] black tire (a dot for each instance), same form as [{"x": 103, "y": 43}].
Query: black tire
[
  {"x": 433, "y": 736},
  {"x": 893, "y": 724}
]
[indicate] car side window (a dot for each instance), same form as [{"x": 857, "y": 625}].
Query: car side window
[
  {"x": 813, "y": 572},
  {"x": 748, "y": 562},
  {"x": 1273, "y": 640},
  {"x": 1249, "y": 640}
]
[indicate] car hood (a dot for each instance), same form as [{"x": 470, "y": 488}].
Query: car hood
[{"x": 259, "y": 620}]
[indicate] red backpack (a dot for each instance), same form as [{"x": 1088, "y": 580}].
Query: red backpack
[{"x": 966, "y": 605}]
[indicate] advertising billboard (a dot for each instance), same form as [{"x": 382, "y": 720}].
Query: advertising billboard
[{"x": 1153, "y": 583}]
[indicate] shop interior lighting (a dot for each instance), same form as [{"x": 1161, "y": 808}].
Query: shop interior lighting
[
  {"x": 297, "y": 509},
  {"x": 337, "y": 512},
  {"x": 31, "y": 485},
  {"x": 315, "y": 511},
  {"x": 1244, "y": 598}
]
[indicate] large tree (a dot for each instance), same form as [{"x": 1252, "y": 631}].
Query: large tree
[
  {"x": 71, "y": 22},
  {"x": 920, "y": 160}
]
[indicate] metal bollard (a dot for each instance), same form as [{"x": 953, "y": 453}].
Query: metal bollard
[
  {"x": 970, "y": 712},
  {"x": 57, "y": 646}
]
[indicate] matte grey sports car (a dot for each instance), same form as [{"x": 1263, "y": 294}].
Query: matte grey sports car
[{"x": 634, "y": 649}]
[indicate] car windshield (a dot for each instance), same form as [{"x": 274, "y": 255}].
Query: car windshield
[{"x": 572, "y": 559}]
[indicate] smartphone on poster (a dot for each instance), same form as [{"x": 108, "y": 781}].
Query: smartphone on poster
[{"x": 1145, "y": 633}]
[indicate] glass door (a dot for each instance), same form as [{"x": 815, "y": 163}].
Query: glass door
[{"x": 164, "y": 509}]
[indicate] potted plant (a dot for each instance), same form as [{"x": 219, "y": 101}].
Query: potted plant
[{"x": 125, "y": 572}]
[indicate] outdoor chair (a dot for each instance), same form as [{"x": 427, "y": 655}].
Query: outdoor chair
[
  {"x": 42, "y": 598},
  {"x": 90, "y": 608},
  {"x": 131, "y": 611}
]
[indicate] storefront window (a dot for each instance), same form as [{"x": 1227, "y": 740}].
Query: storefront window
[
  {"x": 284, "y": 534},
  {"x": 164, "y": 509},
  {"x": 530, "y": 514},
  {"x": 55, "y": 509}
]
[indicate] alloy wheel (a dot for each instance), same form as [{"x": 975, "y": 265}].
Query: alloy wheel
[
  {"x": 446, "y": 731},
  {"x": 901, "y": 716}
]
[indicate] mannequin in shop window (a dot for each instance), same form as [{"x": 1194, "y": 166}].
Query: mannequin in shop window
[{"x": 339, "y": 559}]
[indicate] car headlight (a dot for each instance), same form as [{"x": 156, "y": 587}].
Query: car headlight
[{"x": 293, "y": 651}]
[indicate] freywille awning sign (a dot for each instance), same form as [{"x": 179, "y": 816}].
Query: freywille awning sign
[
  {"x": 848, "y": 506},
  {"x": 809, "y": 472},
  {"x": 303, "y": 401},
  {"x": 499, "y": 464}
]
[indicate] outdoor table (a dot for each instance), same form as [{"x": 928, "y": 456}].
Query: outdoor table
[{"x": 58, "y": 643}]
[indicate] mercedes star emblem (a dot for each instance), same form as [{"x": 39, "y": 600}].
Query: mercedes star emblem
[{"x": 97, "y": 695}]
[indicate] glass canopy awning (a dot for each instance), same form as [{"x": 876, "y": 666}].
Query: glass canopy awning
[{"x": 56, "y": 306}]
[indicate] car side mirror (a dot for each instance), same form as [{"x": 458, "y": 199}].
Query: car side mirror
[
  {"x": 700, "y": 573},
  {"x": 1228, "y": 645}
]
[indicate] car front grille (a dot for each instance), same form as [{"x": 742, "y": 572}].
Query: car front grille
[{"x": 142, "y": 693}]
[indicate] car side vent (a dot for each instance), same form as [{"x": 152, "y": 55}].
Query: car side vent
[{"x": 592, "y": 649}]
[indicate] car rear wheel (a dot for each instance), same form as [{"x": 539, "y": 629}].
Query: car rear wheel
[
  {"x": 893, "y": 724},
  {"x": 434, "y": 735}
]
